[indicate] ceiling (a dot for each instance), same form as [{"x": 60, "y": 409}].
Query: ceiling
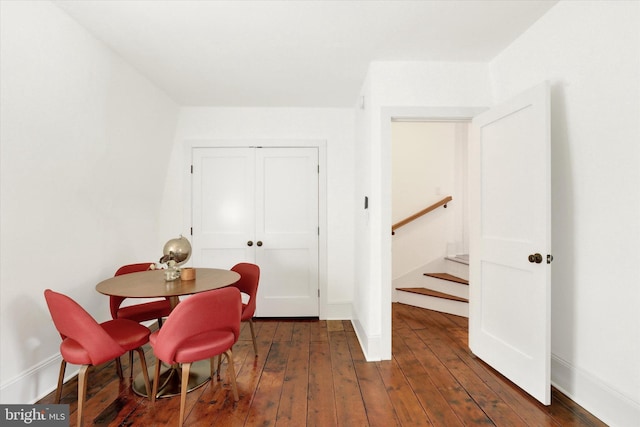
[{"x": 294, "y": 53}]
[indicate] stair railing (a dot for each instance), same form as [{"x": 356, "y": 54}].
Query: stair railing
[{"x": 417, "y": 215}]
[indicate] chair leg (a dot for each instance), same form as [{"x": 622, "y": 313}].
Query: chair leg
[
  {"x": 219, "y": 365},
  {"x": 82, "y": 391},
  {"x": 159, "y": 322},
  {"x": 156, "y": 380},
  {"x": 232, "y": 373},
  {"x": 253, "y": 336},
  {"x": 145, "y": 373},
  {"x": 212, "y": 363},
  {"x": 63, "y": 366},
  {"x": 119, "y": 367},
  {"x": 131, "y": 365},
  {"x": 183, "y": 390}
]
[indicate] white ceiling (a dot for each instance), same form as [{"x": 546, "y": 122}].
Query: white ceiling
[{"x": 294, "y": 53}]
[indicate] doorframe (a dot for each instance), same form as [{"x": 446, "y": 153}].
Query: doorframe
[
  {"x": 320, "y": 144},
  {"x": 387, "y": 114}
]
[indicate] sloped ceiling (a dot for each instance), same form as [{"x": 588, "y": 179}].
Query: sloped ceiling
[{"x": 293, "y": 53}]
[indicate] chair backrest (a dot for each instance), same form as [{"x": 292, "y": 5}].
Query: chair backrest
[
  {"x": 115, "y": 302},
  {"x": 133, "y": 268},
  {"x": 216, "y": 310},
  {"x": 248, "y": 284},
  {"x": 73, "y": 322}
]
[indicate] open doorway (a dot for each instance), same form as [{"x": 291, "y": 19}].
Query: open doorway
[
  {"x": 388, "y": 116},
  {"x": 429, "y": 214}
]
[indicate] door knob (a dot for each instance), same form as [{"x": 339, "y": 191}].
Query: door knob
[
  {"x": 249, "y": 243},
  {"x": 537, "y": 258},
  {"x": 259, "y": 243}
]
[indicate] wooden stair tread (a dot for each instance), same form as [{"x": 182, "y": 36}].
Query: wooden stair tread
[
  {"x": 449, "y": 277},
  {"x": 432, "y": 293}
]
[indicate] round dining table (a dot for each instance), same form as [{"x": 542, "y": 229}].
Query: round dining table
[{"x": 151, "y": 284}]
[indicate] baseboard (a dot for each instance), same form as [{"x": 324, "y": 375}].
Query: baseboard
[
  {"x": 370, "y": 345},
  {"x": 609, "y": 405},
  {"x": 35, "y": 383}
]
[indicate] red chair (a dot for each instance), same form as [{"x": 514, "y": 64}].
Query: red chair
[
  {"x": 139, "y": 312},
  {"x": 248, "y": 284},
  {"x": 86, "y": 342},
  {"x": 201, "y": 327}
]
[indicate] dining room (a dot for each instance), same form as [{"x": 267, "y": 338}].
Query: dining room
[{"x": 96, "y": 172}]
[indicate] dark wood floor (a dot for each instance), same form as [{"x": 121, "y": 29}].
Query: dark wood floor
[{"x": 313, "y": 373}]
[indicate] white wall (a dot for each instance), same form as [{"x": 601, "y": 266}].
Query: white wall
[
  {"x": 84, "y": 147},
  {"x": 590, "y": 52},
  {"x": 252, "y": 126},
  {"x": 396, "y": 89}
]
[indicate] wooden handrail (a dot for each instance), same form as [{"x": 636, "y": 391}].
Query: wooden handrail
[{"x": 417, "y": 215}]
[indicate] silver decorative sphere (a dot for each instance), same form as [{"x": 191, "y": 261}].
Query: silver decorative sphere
[{"x": 177, "y": 250}]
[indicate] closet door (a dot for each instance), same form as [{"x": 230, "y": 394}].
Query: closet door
[
  {"x": 287, "y": 231},
  {"x": 260, "y": 205},
  {"x": 223, "y": 206}
]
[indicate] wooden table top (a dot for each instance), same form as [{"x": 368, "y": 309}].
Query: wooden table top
[{"x": 152, "y": 283}]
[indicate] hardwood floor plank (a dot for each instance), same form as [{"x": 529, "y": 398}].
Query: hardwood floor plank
[
  {"x": 434, "y": 403},
  {"x": 319, "y": 331},
  {"x": 405, "y": 403},
  {"x": 284, "y": 332},
  {"x": 264, "y": 408},
  {"x": 466, "y": 410},
  {"x": 292, "y": 410},
  {"x": 378, "y": 406},
  {"x": 354, "y": 346},
  {"x": 348, "y": 400},
  {"x": 321, "y": 410}
]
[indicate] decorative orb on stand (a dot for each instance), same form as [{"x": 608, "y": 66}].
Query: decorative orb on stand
[{"x": 175, "y": 253}]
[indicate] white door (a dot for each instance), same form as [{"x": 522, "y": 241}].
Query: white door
[
  {"x": 260, "y": 205},
  {"x": 510, "y": 240}
]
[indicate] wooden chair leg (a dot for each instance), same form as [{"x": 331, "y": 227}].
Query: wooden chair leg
[
  {"x": 131, "y": 365},
  {"x": 219, "y": 365},
  {"x": 145, "y": 373},
  {"x": 82, "y": 391},
  {"x": 183, "y": 390},
  {"x": 253, "y": 336},
  {"x": 232, "y": 373},
  {"x": 212, "y": 364},
  {"x": 156, "y": 380},
  {"x": 119, "y": 367},
  {"x": 63, "y": 366}
]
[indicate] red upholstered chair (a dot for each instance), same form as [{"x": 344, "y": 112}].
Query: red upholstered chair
[
  {"x": 139, "y": 312},
  {"x": 201, "y": 327},
  {"x": 86, "y": 342},
  {"x": 248, "y": 284}
]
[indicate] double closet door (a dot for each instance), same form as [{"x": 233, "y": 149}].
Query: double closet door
[{"x": 260, "y": 205}]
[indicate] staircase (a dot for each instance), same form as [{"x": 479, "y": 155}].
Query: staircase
[{"x": 446, "y": 291}]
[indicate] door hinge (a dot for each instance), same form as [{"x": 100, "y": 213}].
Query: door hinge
[
  {"x": 318, "y": 231},
  {"x": 318, "y": 169},
  {"x": 318, "y": 293},
  {"x": 191, "y": 168},
  {"x": 191, "y": 231}
]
